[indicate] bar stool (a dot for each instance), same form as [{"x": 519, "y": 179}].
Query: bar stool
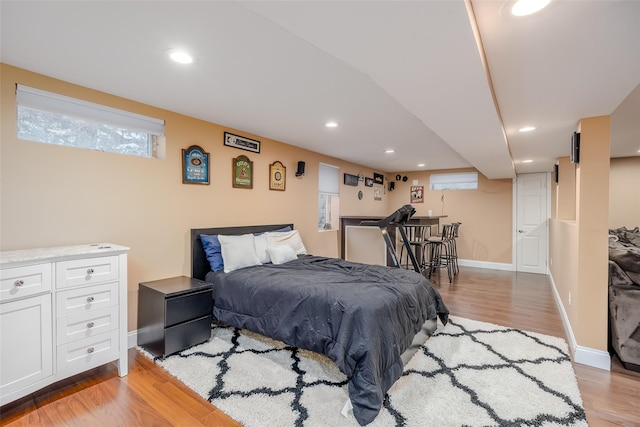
[
  {"x": 417, "y": 235},
  {"x": 440, "y": 252},
  {"x": 452, "y": 251}
]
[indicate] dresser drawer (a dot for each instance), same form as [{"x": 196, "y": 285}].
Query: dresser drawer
[
  {"x": 86, "y": 325},
  {"x": 86, "y": 271},
  {"x": 19, "y": 282},
  {"x": 188, "y": 307},
  {"x": 78, "y": 356},
  {"x": 87, "y": 299}
]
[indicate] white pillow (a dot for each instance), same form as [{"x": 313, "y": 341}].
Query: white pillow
[
  {"x": 291, "y": 238},
  {"x": 238, "y": 252},
  {"x": 281, "y": 254},
  {"x": 261, "y": 248}
]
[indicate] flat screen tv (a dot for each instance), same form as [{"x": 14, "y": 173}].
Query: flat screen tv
[{"x": 575, "y": 148}]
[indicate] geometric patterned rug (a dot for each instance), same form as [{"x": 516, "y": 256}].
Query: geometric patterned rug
[{"x": 468, "y": 373}]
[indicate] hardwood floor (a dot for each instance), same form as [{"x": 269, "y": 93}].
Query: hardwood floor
[{"x": 148, "y": 396}]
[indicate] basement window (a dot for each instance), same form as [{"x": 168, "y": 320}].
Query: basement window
[
  {"x": 61, "y": 120},
  {"x": 454, "y": 181}
]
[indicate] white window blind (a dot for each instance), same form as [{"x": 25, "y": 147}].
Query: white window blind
[
  {"x": 454, "y": 181},
  {"x": 328, "y": 179},
  {"x": 47, "y": 101}
]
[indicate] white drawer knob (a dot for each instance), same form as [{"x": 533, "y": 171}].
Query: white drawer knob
[
  {"x": 90, "y": 325},
  {"x": 90, "y": 299},
  {"x": 90, "y": 350},
  {"x": 90, "y": 271},
  {"x": 18, "y": 283}
]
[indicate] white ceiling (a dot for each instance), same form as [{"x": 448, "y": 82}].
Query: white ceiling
[{"x": 406, "y": 75}]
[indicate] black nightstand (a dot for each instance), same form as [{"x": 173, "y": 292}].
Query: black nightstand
[{"x": 174, "y": 314}]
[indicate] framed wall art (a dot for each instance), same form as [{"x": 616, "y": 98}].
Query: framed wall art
[
  {"x": 277, "y": 176},
  {"x": 417, "y": 194},
  {"x": 350, "y": 179},
  {"x": 368, "y": 182},
  {"x": 241, "y": 142},
  {"x": 376, "y": 193},
  {"x": 242, "y": 169},
  {"x": 195, "y": 165},
  {"x": 378, "y": 178}
]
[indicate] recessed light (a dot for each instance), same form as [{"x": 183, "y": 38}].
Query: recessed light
[
  {"x": 421, "y": 165},
  {"x": 180, "y": 57},
  {"x": 528, "y": 7},
  {"x": 527, "y": 161},
  {"x": 389, "y": 151},
  {"x": 331, "y": 124},
  {"x": 527, "y": 129}
]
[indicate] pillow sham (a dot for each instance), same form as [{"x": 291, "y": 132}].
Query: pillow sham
[
  {"x": 238, "y": 252},
  {"x": 291, "y": 238},
  {"x": 281, "y": 254},
  {"x": 261, "y": 248},
  {"x": 279, "y": 230},
  {"x": 213, "y": 251}
]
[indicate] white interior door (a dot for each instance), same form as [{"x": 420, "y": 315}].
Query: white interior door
[{"x": 531, "y": 222}]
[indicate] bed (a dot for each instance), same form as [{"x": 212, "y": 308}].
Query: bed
[{"x": 368, "y": 319}]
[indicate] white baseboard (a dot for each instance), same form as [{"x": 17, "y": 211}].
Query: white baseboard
[
  {"x": 485, "y": 264},
  {"x": 583, "y": 355},
  {"x": 132, "y": 339}
]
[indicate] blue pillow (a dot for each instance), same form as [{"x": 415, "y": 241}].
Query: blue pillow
[{"x": 213, "y": 250}]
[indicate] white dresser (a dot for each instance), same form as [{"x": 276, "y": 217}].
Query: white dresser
[{"x": 63, "y": 311}]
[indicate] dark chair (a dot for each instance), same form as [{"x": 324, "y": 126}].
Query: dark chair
[
  {"x": 440, "y": 252},
  {"x": 417, "y": 236}
]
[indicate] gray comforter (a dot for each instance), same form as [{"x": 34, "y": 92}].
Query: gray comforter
[{"x": 361, "y": 316}]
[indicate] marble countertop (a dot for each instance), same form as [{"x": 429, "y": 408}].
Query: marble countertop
[{"x": 27, "y": 255}]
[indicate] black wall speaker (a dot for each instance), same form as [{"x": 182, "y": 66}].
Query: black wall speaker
[
  {"x": 392, "y": 186},
  {"x": 300, "y": 170},
  {"x": 555, "y": 172},
  {"x": 575, "y": 148}
]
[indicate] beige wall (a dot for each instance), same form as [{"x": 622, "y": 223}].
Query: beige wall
[
  {"x": 578, "y": 246},
  {"x": 566, "y": 190},
  {"x": 53, "y": 195},
  {"x": 485, "y": 213},
  {"x": 624, "y": 192}
]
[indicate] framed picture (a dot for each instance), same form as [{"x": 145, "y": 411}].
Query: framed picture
[
  {"x": 277, "y": 176},
  {"x": 417, "y": 194},
  {"x": 242, "y": 169},
  {"x": 195, "y": 165},
  {"x": 350, "y": 179},
  {"x": 376, "y": 193},
  {"x": 378, "y": 178},
  {"x": 368, "y": 182},
  {"x": 241, "y": 142}
]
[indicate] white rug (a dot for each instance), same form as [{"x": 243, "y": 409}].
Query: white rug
[{"x": 468, "y": 374}]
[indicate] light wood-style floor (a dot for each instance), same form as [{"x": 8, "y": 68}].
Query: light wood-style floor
[{"x": 148, "y": 396}]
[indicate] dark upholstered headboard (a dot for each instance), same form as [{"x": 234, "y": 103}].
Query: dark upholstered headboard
[{"x": 199, "y": 264}]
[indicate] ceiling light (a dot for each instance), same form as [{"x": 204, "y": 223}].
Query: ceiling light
[
  {"x": 421, "y": 165},
  {"x": 527, "y": 129},
  {"x": 331, "y": 124},
  {"x": 180, "y": 57},
  {"x": 527, "y": 161},
  {"x": 527, "y": 7},
  {"x": 389, "y": 151}
]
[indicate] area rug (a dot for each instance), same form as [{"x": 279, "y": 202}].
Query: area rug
[{"x": 468, "y": 374}]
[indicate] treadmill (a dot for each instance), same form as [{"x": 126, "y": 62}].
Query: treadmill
[{"x": 399, "y": 218}]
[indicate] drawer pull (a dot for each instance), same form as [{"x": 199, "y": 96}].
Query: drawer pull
[
  {"x": 90, "y": 325},
  {"x": 90, "y": 350},
  {"x": 90, "y": 271},
  {"x": 18, "y": 283},
  {"x": 90, "y": 299}
]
